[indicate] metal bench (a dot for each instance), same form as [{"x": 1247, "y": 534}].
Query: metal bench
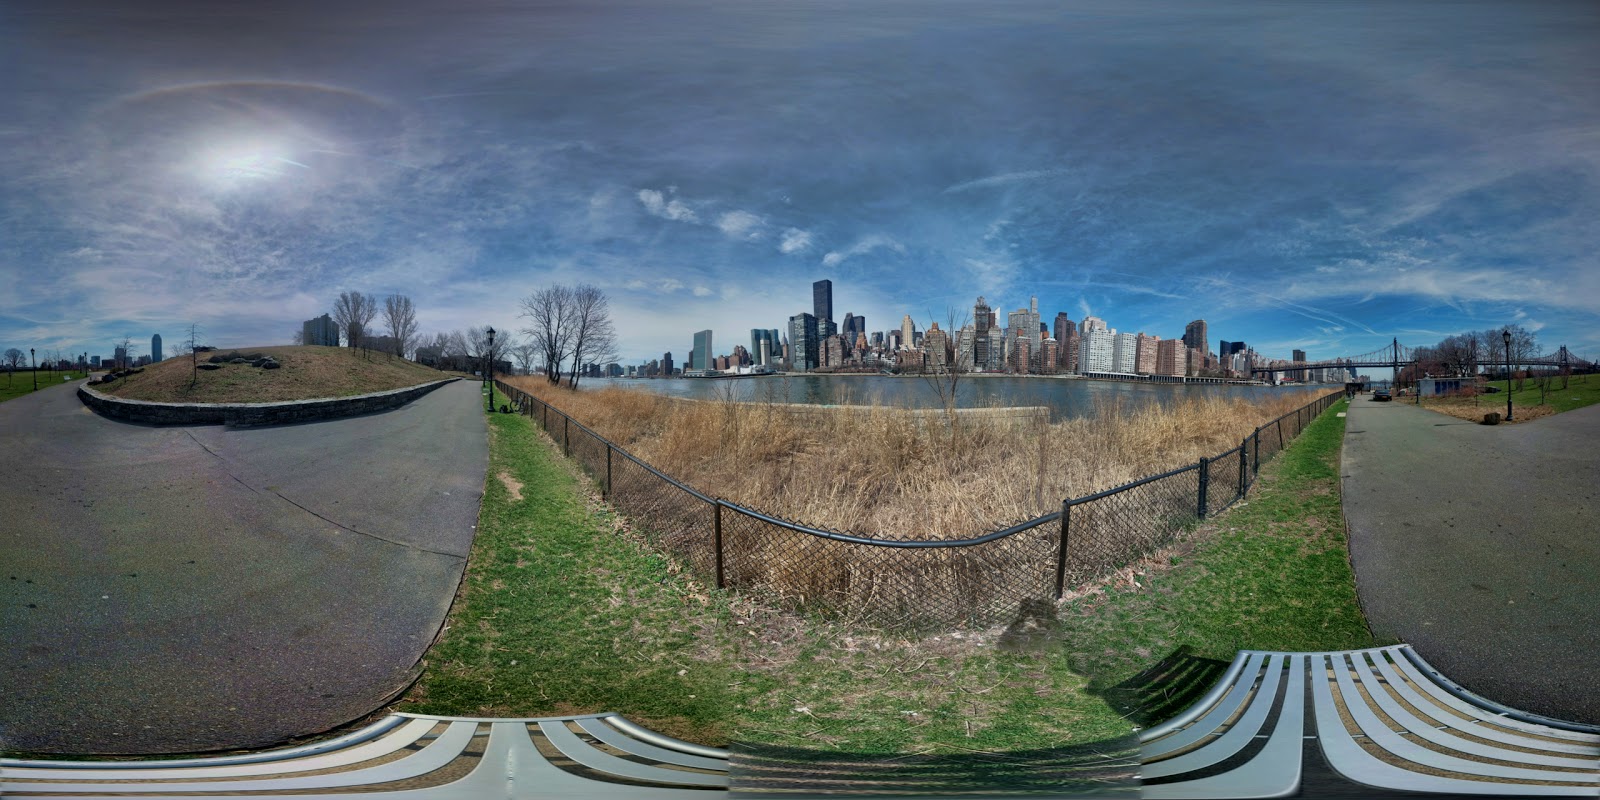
[
  {"x": 1381, "y": 718},
  {"x": 415, "y": 757}
]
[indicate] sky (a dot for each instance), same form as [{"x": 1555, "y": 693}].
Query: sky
[{"x": 1324, "y": 176}]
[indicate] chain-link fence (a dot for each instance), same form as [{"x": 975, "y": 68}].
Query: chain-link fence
[{"x": 936, "y": 583}]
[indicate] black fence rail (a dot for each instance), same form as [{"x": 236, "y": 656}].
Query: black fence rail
[{"x": 916, "y": 583}]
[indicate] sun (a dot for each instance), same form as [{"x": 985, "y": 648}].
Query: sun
[{"x": 235, "y": 163}]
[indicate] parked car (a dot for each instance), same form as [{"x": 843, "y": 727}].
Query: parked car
[{"x": 1381, "y": 394}]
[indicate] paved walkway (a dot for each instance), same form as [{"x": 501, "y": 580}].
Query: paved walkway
[
  {"x": 1480, "y": 546},
  {"x": 180, "y": 589}
]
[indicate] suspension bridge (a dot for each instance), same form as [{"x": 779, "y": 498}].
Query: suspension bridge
[{"x": 1396, "y": 356}]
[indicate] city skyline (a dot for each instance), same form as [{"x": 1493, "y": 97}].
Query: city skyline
[{"x": 1302, "y": 177}]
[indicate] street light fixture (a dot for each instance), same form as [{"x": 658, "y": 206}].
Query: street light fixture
[
  {"x": 1506, "y": 335},
  {"x": 489, "y": 373},
  {"x": 35, "y": 369}
]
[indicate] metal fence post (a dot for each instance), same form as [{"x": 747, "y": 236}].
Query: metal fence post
[
  {"x": 1205, "y": 478},
  {"x": 1257, "y": 435},
  {"x": 1061, "y": 549},
  {"x": 716, "y": 537},
  {"x": 1244, "y": 469}
]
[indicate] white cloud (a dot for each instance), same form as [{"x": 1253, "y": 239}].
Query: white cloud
[
  {"x": 740, "y": 225},
  {"x": 702, "y": 291},
  {"x": 861, "y": 247},
  {"x": 659, "y": 204},
  {"x": 794, "y": 241},
  {"x": 669, "y": 284},
  {"x": 1083, "y": 309},
  {"x": 1001, "y": 180}
]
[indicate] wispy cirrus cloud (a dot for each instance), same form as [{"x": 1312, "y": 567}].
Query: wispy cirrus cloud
[
  {"x": 664, "y": 205},
  {"x": 862, "y": 246}
]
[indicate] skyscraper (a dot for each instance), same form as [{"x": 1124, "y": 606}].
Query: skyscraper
[
  {"x": 908, "y": 332},
  {"x": 822, "y": 306},
  {"x": 155, "y": 348},
  {"x": 1094, "y": 346},
  {"x": 666, "y": 364},
  {"x": 982, "y": 335},
  {"x": 1124, "y": 352},
  {"x": 702, "y": 351},
  {"x": 1299, "y": 355},
  {"x": 803, "y": 342},
  {"x": 1194, "y": 335}
]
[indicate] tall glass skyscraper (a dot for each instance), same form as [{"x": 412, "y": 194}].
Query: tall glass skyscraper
[
  {"x": 155, "y": 348},
  {"x": 702, "y": 350}
]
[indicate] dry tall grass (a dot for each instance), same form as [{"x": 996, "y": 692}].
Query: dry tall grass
[{"x": 886, "y": 473}]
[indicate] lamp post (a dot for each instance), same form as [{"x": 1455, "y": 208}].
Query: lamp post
[
  {"x": 1506, "y": 335},
  {"x": 489, "y": 372},
  {"x": 35, "y": 363}
]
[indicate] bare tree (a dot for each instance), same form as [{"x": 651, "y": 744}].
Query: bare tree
[
  {"x": 551, "y": 318},
  {"x": 594, "y": 339},
  {"x": 353, "y": 313},
  {"x": 401, "y": 317},
  {"x": 126, "y": 346},
  {"x": 479, "y": 348},
  {"x": 298, "y": 339},
  {"x": 13, "y": 358},
  {"x": 525, "y": 352},
  {"x": 193, "y": 343}
]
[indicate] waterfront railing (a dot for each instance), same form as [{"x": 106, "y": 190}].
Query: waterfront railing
[{"x": 923, "y": 583}]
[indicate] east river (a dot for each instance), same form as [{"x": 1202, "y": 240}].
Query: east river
[{"x": 1066, "y": 398}]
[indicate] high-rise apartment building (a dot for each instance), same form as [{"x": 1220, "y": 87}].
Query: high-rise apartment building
[
  {"x": 701, "y": 354},
  {"x": 1144, "y": 361},
  {"x": 321, "y": 332},
  {"x": 908, "y": 332},
  {"x": 1091, "y": 323},
  {"x": 1170, "y": 358},
  {"x": 1021, "y": 355},
  {"x": 1069, "y": 350},
  {"x": 1194, "y": 335},
  {"x": 1124, "y": 352},
  {"x": 1094, "y": 347},
  {"x": 1049, "y": 356},
  {"x": 121, "y": 356},
  {"x": 803, "y": 342},
  {"x": 666, "y": 364},
  {"x": 155, "y": 348},
  {"x": 964, "y": 347},
  {"x": 1299, "y": 355}
]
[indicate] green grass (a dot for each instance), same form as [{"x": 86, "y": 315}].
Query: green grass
[
  {"x": 561, "y": 613},
  {"x": 1273, "y": 573},
  {"x": 17, "y": 384},
  {"x": 1582, "y": 390}
]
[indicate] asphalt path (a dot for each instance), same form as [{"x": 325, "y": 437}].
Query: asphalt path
[
  {"x": 178, "y": 589},
  {"x": 1480, "y": 546}
]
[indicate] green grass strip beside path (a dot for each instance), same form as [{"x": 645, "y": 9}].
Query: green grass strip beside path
[
  {"x": 559, "y": 613},
  {"x": 1582, "y": 390},
  {"x": 1272, "y": 573}
]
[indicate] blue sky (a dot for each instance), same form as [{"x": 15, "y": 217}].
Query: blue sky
[{"x": 1322, "y": 176}]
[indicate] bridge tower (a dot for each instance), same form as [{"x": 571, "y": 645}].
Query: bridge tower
[{"x": 1394, "y": 366}]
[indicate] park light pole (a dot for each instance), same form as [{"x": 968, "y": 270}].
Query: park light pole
[
  {"x": 1506, "y": 335},
  {"x": 489, "y": 373},
  {"x": 35, "y": 362}
]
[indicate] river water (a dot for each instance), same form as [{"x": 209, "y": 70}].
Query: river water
[{"x": 1067, "y": 398}]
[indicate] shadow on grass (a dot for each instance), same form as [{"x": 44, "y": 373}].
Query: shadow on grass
[{"x": 1165, "y": 689}]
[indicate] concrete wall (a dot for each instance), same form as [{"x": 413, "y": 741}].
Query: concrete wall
[{"x": 244, "y": 415}]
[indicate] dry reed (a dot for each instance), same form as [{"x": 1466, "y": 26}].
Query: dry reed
[{"x": 882, "y": 472}]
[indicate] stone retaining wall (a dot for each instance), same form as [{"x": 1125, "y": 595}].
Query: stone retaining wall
[{"x": 245, "y": 415}]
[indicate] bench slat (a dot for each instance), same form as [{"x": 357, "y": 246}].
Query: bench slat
[
  {"x": 576, "y": 749},
  {"x": 605, "y": 733},
  {"x": 1347, "y": 758},
  {"x": 1231, "y": 742},
  {"x": 1214, "y": 717}
]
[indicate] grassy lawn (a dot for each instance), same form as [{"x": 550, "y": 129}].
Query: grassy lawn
[
  {"x": 1273, "y": 573},
  {"x": 306, "y": 373},
  {"x": 18, "y": 384},
  {"x": 563, "y": 611},
  {"x": 1527, "y": 403}
]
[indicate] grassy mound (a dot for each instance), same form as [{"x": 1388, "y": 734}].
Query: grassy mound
[{"x": 305, "y": 373}]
